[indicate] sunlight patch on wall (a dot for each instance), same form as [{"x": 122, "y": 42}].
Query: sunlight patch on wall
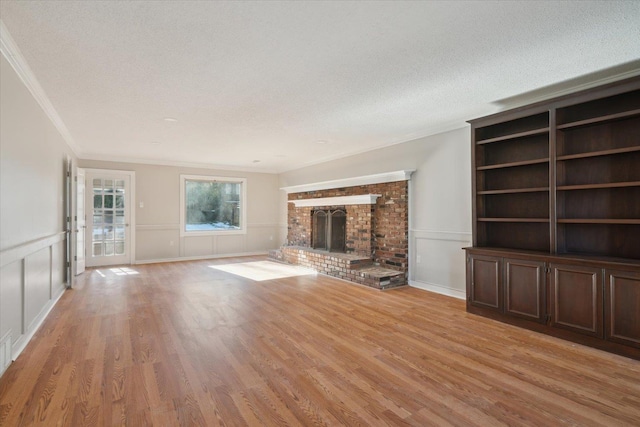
[{"x": 264, "y": 270}]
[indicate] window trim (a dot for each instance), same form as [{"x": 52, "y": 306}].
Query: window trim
[{"x": 208, "y": 178}]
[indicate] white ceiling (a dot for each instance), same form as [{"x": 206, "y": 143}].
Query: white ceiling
[{"x": 265, "y": 81}]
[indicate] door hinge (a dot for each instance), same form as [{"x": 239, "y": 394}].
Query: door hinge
[
  {"x": 547, "y": 318},
  {"x": 68, "y": 264},
  {"x": 75, "y": 257},
  {"x": 75, "y": 178}
]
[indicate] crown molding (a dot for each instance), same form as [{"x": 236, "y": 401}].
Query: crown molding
[
  {"x": 174, "y": 163},
  {"x": 589, "y": 81},
  {"x": 12, "y": 53},
  {"x": 380, "y": 178}
]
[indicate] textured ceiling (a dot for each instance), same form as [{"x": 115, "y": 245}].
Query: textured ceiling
[{"x": 265, "y": 81}]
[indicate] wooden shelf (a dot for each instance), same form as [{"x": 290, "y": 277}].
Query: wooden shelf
[
  {"x": 597, "y": 186},
  {"x": 600, "y": 119},
  {"x": 514, "y": 136},
  {"x": 513, "y": 219},
  {"x": 513, "y": 164},
  {"x": 514, "y": 191},
  {"x": 598, "y": 221},
  {"x": 599, "y": 153}
]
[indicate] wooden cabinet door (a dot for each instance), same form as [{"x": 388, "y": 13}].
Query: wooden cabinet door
[
  {"x": 484, "y": 282},
  {"x": 576, "y": 299},
  {"x": 622, "y": 307},
  {"x": 525, "y": 289}
]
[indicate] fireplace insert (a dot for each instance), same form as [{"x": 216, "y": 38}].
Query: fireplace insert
[{"x": 329, "y": 230}]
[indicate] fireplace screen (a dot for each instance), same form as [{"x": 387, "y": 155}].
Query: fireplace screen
[{"x": 329, "y": 230}]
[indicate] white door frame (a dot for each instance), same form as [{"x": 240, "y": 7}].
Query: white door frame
[
  {"x": 132, "y": 201},
  {"x": 80, "y": 251},
  {"x": 69, "y": 212}
]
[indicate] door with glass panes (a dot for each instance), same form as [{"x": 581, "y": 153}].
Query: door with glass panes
[{"x": 108, "y": 206}]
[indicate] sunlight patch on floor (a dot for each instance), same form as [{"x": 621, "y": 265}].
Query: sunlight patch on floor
[
  {"x": 123, "y": 271},
  {"x": 119, "y": 271},
  {"x": 264, "y": 270}
]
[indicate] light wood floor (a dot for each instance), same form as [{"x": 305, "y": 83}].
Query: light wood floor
[{"x": 186, "y": 344}]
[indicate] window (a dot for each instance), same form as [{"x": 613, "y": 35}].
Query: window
[{"x": 212, "y": 205}]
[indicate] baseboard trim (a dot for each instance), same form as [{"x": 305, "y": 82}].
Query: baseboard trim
[
  {"x": 199, "y": 258},
  {"x": 21, "y": 343},
  {"x": 439, "y": 289}
]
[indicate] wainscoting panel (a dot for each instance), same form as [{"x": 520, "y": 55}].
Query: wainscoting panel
[
  {"x": 231, "y": 244},
  {"x": 5, "y": 351},
  {"x": 37, "y": 284},
  {"x": 438, "y": 262},
  {"x": 198, "y": 246},
  {"x": 157, "y": 243},
  {"x": 11, "y": 286},
  {"x": 262, "y": 237},
  {"x": 58, "y": 271},
  {"x": 162, "y": 243},
  {"x": 32, "y": 279}
]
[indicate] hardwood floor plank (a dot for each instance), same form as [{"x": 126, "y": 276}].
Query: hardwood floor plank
[
  {"x": 248, "y": 413},
  {"x": 220, "y": 398},
  {"x": 188, "y": 411},
  {"x": 185, "y": 344},
  {"x": 87, "y": 415},
  {"x": 155, "y": 401}
]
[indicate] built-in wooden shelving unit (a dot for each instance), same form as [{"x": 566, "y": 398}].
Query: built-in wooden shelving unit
[{"x": 556, "y": 217}]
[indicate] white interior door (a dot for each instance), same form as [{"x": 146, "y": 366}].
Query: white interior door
[
  {"x": 108, "y": 209},
  {"x": 80, "y": 222}
]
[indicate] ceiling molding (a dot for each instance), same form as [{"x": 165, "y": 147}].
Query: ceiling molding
[
  {"x": 568, "y": 87},
  {"x": 12, "y": 53},
  {"x": 363, "y": 199},
  {"x": 379, "y": 178},
  {"x": 172, "y": 163}
]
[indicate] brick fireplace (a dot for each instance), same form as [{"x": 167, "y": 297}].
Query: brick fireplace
[{"x": 375, "y": 234}]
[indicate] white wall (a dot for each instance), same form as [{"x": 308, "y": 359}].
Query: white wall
[
  {"x": 33, "y": 158},
  {"x": 439, "y": 200},
  {"x": 157, "y": 225}
]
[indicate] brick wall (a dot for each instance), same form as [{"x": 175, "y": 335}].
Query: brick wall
[
  {"x": 360, "y": 237},
  {"x": 298, "y": 226},
  {"x": 379, "y": 231}
]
